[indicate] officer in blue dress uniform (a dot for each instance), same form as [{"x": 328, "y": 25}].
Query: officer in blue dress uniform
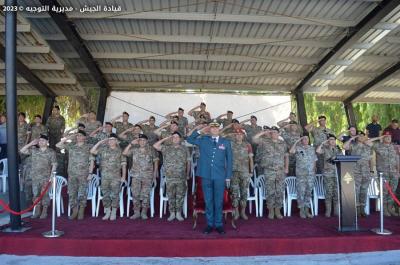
[{"x": 215, "y": 169}]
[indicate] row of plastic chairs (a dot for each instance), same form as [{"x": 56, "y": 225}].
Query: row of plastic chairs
[{"x": 3, "y": 174}]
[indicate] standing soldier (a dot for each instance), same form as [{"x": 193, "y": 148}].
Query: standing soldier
[
  {"x": 319, "y": 134},
  {"x": 176, "y": 166},
  {"x": 225, "y": 121},
  {"x": 123, "y": 125},
  {"x": 37, "y": 128},
  {"x": 291, "y": 134},
  {"x": 23, "y": 131},
  {"x": 202, "y": 112},
  {"x": 148, "y": 129},
  {"x": 144, "y": 172},
  {"x": 183, "y": 123},
  {"x": 99, "y": 135},
  {"x": 275, "y": 163},
  {"x": 362, "y": 172},
  {"x": 90, "y": 122},
  {"x": 330, "y": 150},
  {"x": 111, "y": 163},
  {"x": 292, "y": 119},
  {"x": 44, "y": 162},
  {"x": 388, "y": 163},
  {"x": 242, "y": 158},
  {"x": 172, "y": 127},
  {"x": 251, "y": 130},
  {"x": 56, "y": 126},
  {"x": 305, "y": 173},
  {"x": 79, "y": 167}
]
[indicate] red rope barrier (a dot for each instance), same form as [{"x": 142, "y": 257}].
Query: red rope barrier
[
  {"x": 7, "y": 208},
  {"x": 391, "y": 193}
]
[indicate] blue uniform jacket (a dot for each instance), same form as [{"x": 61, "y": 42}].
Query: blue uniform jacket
[{"x": 215, "y": 161}]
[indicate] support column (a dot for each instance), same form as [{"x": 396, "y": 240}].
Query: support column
[
  {"x": 47, "y": 108},
  {"x": 11, "y": 106},
  {"x": 351, "y": 118},
  {"x": 101, "y": 107},
  {"x": 301, "y": 108}
]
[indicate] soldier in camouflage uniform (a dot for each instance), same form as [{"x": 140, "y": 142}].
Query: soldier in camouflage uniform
[
  {"x": 99, "y": 135},
  {"x": 111, "y": 163},
  {"x": 387, "y": 162},
  {"x": 320, "y": 135},
  {"x": 200, "y": 115},
  {"x": 183, "y": 123},
  {"x": 330, "y": 150},
  {"x": 305, "y": 174},
  {"x": 56, "y": 126},
  {"x": 23, "y": 131},
  {"x": 90, "y": 122},
  {"x": 144, "y": 171},
  {"x": 176, "y": 166},
  {"x": 362, "y": 171},
  {"x": 163, "y": 132},
  {"x": 291, "y": 134},
  {"x": 37, "y": 128},
  {"x": 251, "y": 130},
  {"x": 242, "y": 158},
  {"x": 43, "y": 161},
  {"x": 123, "y": 125},
  {"x": 264, "y": 137},
  {"x": 275, "y": 163},
  {"x": 79, "y": 167},
  {"x": 225, "y": 121},
  {"x": 148, "y": 129}
]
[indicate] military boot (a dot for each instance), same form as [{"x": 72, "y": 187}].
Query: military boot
[
  {"x": 243, "y": 213},
  {"x": 302, "y": 213},
  {"x": 328, "y": 209},
  {"x": 171, "y": 216},
  {"x": 44, "y": 213},
  {"x": 37, "y": 212},
  {"x": 236, "y": 213},
  {"x": 81, "y": 213},
  {"x": 144, "y": 214},
  {"x": 179, "y": 216},
  {"x": 271, "y": 213},
  {"x": 307, "y": 212},
  {"x": 392, "y": 210},
  {"x": 136, "y": 214},
  {"x": 362, "y": 211},
  {"x": 386, "y": 210},
  {"x": 74, "y": 213},
  {"x": 107, "y": 213},
  {"x": 113, "y": 215},
  {"x": 278, "y": 213}
]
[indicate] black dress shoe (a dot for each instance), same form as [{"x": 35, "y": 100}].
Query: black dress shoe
[
  {"x": 207, "y": 230},
  {"x": 220, "y": 230}
]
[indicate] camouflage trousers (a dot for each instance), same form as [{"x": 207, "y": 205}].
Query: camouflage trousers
[
  {"x": 330, "y": 186},
  {"x": 274, "y": 187},
  {"x": 362, "y": 178},
  {"x": 176, "y": 191},
  {"x": 239, "y": 184},
  {"x": 77, "y": 191},
  {"x": 292, "y": 165},
  {"x": 38, "y": 186},
  {"x": 393, "y": 179},
  {"x": 304, "y": 186},
  {"x": 320, "y": 163},
  {"x": 110, "y": 188},
  {"x": 27, "y": 180},
  {"x": 140, "y": 187}
]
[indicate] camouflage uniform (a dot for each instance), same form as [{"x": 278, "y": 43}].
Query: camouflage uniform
[
  {"x": 319, "y": 135},
  {"x": 142, "y": 175},
  {"x": 99, "y": 137},
  {"x": 197, "y": 114},
  {"x": 41, "y": 165},
  {"x": 90, "y": 126},
  {"x": 23, "y": 131},
  {"x": 78, "y": 171},
  {"x": 329, "y": 172},
  {"x": 149, "y": 132},
  {"x": 56, "y": 127},
  {"x": 387, "y": 162},
  {"x": 165, "y": 134},
  {"x": 111, "y": 162},
  {"x": 182, "y": 123},
  {"x": 273, "y": 161},
  {"x": 175, "y": 161},
  {"x": 241, "y": 176},
  {"x": 290, "y": 138},
  {"x": 305, "y": 158},
  {"x": 121, "y": 126},
  {"x": 250, "y": 132},
  {"x": 37, "y": 130},
  {"x": 225, "y": 122},
  {"x": 362, "y": 174}
]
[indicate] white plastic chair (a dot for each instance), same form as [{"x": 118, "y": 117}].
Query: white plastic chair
[
  {"x": 91, "y": 194},
  {"x": 4, "y": 174},
  {"x": 291, "y": 194},
  {"x": 318, "y": 191},
  {"x": 121, "y": 201},
  {"x": 252, "y": 195},
  {"x": 260, "y": 183},
  {"x": 373, "y": 193},
  {"x": 60, "y": 183},
  {"x": 129, "y": 196},
  {"x": 164, "y": 198}
]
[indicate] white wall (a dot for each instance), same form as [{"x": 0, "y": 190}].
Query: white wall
[{"x": 163, "y": 103}]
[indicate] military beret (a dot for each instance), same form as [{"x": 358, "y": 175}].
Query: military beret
[
  {"x": 174, "y": 122},
  {"x": 43, "y": 136},
  {"x": 143, "y": 136},
  {"x": 109, "y": 123},
  {"x": 331, "y": 136},
  {"x": 274, "y": 128},
  {"x": 126, "y": 113},
  {"x": 229, "y": 111},
  {"x": 177, "y": 133},
  {"x": 82, "y": 132},
  {"x": 138, "y": 125},
  {"x": 214, "y": 123},
  {"x": 81, "y": 125},
  {"x": 321, "y": 117},
  {"x": 113, "y": 135},
  {"x": 180, "y": 109},
  {"x": 203, "y": 104},
  {"x": 265, "y": 127},
  {"x": 253, "y": 117},
  {"x": 235, "y": 121}
]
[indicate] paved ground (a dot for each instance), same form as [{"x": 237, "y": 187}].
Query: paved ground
[{"x": 371, "y": 258}]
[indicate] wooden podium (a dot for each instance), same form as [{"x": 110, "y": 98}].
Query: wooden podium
[{"x": 346, "y": 192}]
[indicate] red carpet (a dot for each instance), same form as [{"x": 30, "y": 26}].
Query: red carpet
[{"x": 157, "y": 237}]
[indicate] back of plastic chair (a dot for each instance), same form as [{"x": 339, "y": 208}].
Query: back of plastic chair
[
  {"x": 319, "y": 186},
  {"x": 92, "y": 187},
  {"x": 60, "y": 183},
  {"x": 290, "y": 183},
  {"x": 3, "y": 166},
  {"x": 373, "y": 191}
]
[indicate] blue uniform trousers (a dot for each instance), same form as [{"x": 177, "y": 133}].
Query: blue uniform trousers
[{"x": 213, "y": 190}]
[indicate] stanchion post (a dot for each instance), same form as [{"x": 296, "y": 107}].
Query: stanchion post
[
  {"x": 53, "y": 232},
  {"x": 381, "y": 230}
]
